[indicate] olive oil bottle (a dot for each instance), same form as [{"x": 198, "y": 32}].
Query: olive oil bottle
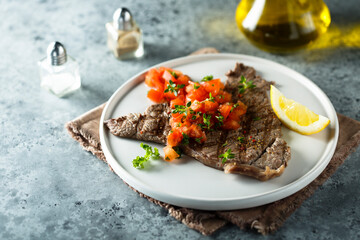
[{"x": 282, "y": 26}]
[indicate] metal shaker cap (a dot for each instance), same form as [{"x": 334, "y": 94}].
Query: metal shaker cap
[
  {"x": 123, "y": 20},
  {"x": 56, "y": 53}
]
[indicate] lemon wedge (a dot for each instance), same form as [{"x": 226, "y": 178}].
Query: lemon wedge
[{"x": 296, "y": 116}]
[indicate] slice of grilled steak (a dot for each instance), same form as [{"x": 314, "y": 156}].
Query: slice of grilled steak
[
  {"x": 151, "y": 126},
  {"x": 259, "y": 150}
]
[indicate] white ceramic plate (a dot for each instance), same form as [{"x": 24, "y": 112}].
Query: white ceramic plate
[{"x": 188, "y": 183}]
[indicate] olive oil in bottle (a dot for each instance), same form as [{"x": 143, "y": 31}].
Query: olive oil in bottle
[{"x": 282, "y": 26}]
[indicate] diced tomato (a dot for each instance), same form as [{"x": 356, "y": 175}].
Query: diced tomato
[
  {"x": 195, "y": 93},
  {"x": 225, "y": 109},
  {"x": 174, "y": 138},
  {"x": 195, "y": 131},
  {"x": 185, "y": 127},
  {"x": 210, "y": 106},
  {"x": 177, "y": 117},
  {"x": 183, "y": 79},
  {"x": 197, "y": 106},
  {"x": 170, "y": 153},
  {"x": 153, "y": 79},
  {"x": 213, "y": 86},
  {"x": 223, "y": 97},
  {"x": 231, "y": 124},
  {"x": 167, "y": 76},
  {"x": 238, "y": 111},
  {"x": 155, "y": 95},
  {"x": 180, "y": 100}
]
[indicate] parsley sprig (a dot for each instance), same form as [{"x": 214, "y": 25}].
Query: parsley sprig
[
  {"x": 210, "y": 98},
  {"x": 173, "y": 87},
  {"x": 244, "y": 84},
  {"x": 138, "y": 162},
  {"x": 206, "y": 120},
  {"x": 220, "y": 118},
  {"x": 226, "y": 155},
  {"x": 234, "y": 106},
  {"x": 181, "y": 109},
  {"x": 207, "y": 78},
  {"x": 186, "y": 139},
  {"x": 173, "y": 74}
]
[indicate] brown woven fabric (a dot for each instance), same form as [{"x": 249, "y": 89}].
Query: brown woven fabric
[{"x": 265, "y": 219}]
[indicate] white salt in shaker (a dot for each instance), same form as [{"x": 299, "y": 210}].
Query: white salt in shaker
[{"x": 59, "y": 72}]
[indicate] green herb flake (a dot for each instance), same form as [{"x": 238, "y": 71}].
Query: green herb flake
[
  {"x": 185, "y": 139},
  {"x": 234, "y": 106},
  {"x": 198, "y": 140},
  {"x": 172, "y": 87},
  {"x": 179, "y": 109},
  {"x": 196, "y": 86},
  {"x": 226, "y": 155},
  {"x": 207, "y": 122},
  {"x": 178, "y": 151},
  {"x": 244, "y": 84},
  {"x": 207, "y": 78},
  {"x": 173, "y": 74},
  {"x": 256, "y": 118},
  {"x": 225, "y": 144},
  {"x": 211, "y": 98},
  {"x": 138, "y": 162},
  {"x": 220, "y": 118},
  {"x": 240, "y": 139}
]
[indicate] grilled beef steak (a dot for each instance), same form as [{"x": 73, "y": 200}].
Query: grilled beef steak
[{"x": 259, "y": 150}]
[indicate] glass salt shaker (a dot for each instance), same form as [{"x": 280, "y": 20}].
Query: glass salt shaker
[
  {"x": 124, "y": 37},
  {"x": 59, "y": 72}
]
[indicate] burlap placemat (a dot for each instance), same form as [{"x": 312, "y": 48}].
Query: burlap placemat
[{"x": 265, "y": 219}]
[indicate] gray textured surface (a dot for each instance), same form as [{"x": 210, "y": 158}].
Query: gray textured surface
[{"x": 51, "y": 188}]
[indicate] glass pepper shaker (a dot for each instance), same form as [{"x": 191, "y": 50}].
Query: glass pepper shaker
[
  {"x": 59, "y": 72},
  {"x": 124, "y": 37}
]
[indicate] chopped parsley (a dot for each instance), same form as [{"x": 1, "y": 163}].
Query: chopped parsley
[
  {"x": 234, "y": 106},
  {"x": 173, "y": 74},
  {"x": 220, "y": 118},
  {"x": 244, "y": 84},
  {"x": 240, "y": 139},
  {"x": 207, "y": 122},
  {"x": 198, "y": 140},
  {"x": 257, "y": 118},
  {"x": 172, "y": 87},
  {"x": 207, "y": 78},
  {"x": 185, "y": 139},
  {"x": 226, "y": 155},
  {"x": 178, "y": 151},
  {"x": 211, "y": 98},
  {"x": 138, "y": 162},
  {"x": 196, "y": 86},
  {"x": 179, "y": 109}
]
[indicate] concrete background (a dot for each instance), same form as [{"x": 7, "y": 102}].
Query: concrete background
[{"x": 51, "y": 189}]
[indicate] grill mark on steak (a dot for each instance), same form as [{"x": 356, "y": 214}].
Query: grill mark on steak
[{"x": 262, "y": 155}]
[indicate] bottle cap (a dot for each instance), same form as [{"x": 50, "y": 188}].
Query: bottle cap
[
  {"x": 123, "y": 20},
  {"x": 56, "y": 53}
]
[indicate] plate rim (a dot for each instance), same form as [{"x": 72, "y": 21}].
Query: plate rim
[{"x": 213, "y": 204}]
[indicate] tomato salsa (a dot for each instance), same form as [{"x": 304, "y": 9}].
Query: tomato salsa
[{"x": 197, "y": 107}]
